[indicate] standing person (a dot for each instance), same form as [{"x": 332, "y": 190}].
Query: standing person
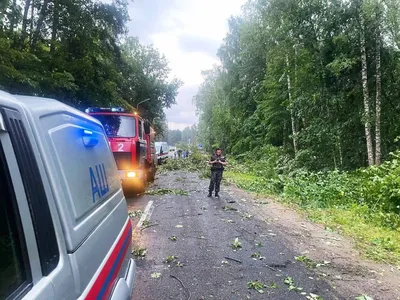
[{"x": 217, "y": 163}]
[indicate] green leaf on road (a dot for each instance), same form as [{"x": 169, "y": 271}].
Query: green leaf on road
[
  {"x": 170, "y": 259},
  {"x": 135, "y": 213},
  {"x": 273, "y": 285},
  {"x": 236, "y": 244},
  {"x": 290, "y": 282},
  {"x": 139, "y": 252},
  {"x": 165, "y": 191},
  {"x": 256, "y": 285},
  {"x": 155, "y": 275}
]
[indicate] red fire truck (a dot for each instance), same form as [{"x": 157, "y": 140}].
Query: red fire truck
[{"x": 132, "y": 142}]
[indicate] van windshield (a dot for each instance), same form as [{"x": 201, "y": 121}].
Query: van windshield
[
  {"x": 158, "y": 148},
  {"x": 118, "y": 126}
]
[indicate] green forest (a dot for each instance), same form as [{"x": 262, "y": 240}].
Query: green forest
[
  {"x": 187, "y": 136},
  {"x": 306, "y": 98},
  {"x": 78, "y": 52}
]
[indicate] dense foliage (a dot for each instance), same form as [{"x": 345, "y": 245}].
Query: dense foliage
[
  {"x": 316, "y": 79},
  {"x": 78, "y": 52},
  {"x": 188, "y": 135},
  {"x": 305, "y": 97}
]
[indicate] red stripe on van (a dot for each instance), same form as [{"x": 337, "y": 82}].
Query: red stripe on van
[{"x": 106, "y": 278}]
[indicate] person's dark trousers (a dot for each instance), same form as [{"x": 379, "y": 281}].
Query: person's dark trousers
[{"x": 216, "y": 177}]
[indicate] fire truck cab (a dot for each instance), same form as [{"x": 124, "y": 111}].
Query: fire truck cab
[{"x": 131, "y": 139}]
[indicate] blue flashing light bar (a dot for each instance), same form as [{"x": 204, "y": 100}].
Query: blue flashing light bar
[
  {"x": 104, "y": 109},
  {"x": 87, "y": 132}
]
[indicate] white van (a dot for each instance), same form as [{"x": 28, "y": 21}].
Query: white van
[
  {"x": 64, "y": 227},
  {"x": 161, "y": 151}
]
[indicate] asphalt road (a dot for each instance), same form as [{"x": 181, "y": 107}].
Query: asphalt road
[{"x": 208, "y": 267}]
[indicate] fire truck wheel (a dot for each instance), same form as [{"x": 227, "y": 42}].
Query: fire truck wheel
[
  {"x": 151, "y": 173},
  {"x": 143, "y": 184}
]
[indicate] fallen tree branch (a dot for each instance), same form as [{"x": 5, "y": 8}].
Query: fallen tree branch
[
  {"x": 148, "y": 226},
  {"x": 271, "y": 268},
  {"x": 184, "y": 287},
  {"x": 229, "y": 258}
]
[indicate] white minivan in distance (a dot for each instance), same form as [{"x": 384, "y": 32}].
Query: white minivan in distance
[
  {"x": 161, "y": 152},
  {"x": 65, "y": 232}
]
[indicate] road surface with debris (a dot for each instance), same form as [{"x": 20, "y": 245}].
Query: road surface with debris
[{"x": 188, "y": 246}]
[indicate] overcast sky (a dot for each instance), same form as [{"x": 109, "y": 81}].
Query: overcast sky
[{"x": 188, "y": 33}]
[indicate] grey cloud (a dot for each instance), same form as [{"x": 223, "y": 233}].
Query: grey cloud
[
  {"x": 148, "y": 16},
  {"x": 185, "y": 106},
  {"x": 190, "y": 43}
]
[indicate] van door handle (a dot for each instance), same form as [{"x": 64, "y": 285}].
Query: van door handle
[{"x": 89, "y": 140}]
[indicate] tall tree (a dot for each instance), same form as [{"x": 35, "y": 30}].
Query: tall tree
[
  {"x": 39, "y": 25},
  {"x": 25, "y": 20},
  {"x": 378, "y": 78},
  {"x": 364, "y": 76},
  {"x": 292, "y": 117}
]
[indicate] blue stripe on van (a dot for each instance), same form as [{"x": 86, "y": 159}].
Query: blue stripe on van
[{"x": 114, "y": 268}]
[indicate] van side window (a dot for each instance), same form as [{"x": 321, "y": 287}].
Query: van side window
[
  {"x": 140, "y": 130},
  {"x": 15, "y": 277},
  {"x": 41, "y": 217}
]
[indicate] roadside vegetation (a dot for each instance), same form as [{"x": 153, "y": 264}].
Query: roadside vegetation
[
  {"x": 45, "y": 51},
  {"x": 363, "y": 204},
  {"x": 306, "y": 102}
]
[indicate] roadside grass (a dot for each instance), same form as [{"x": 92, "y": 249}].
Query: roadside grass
[
  {"x": 376, "y": 242},
  {"x": 248, "y": 182},
  {"x": 374, "y": 239}
]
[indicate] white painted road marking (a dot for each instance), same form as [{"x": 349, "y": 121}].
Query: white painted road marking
[{"x": 146, "y": 214}]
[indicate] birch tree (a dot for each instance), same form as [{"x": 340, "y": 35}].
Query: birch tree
[
  {"x": 378, "y": 96},
  {"x": 366, "y": 97}
]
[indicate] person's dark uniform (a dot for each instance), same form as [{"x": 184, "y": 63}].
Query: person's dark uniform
[{"x": 216, "y": 174}]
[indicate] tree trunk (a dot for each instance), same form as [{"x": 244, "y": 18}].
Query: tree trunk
[
  {"x": 340, "y": 153},
  {"x": 40, "y": 21},
  {"x": 54, "y": 27},
  {"x": 284, "y": 136},
  {"x": 364, "y": 76},
  {"x": 13, "y": 19},
  {"x": 378, "y": 153},
  {"x": 25, "y": 21},
  {"x": 294, "y": 132},
  {"x": 32, "y": 21}
]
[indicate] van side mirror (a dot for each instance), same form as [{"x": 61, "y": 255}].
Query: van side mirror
[{"x": 147, "y": 127}]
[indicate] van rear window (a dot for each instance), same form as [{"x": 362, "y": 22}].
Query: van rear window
[{"x": 118, "y": 126}]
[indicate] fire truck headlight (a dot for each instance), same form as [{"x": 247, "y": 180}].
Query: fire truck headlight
[{"x": 131, "y": 174}]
